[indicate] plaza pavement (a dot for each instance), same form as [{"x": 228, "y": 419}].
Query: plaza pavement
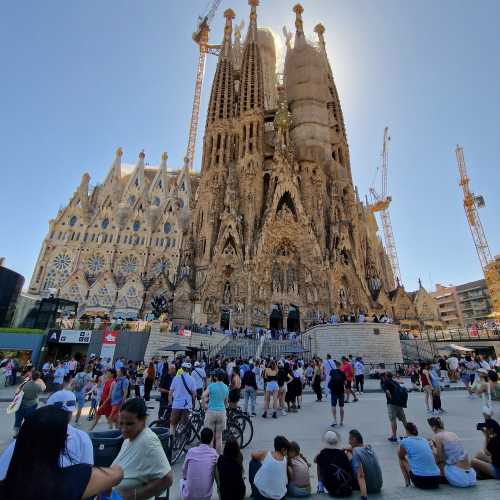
[{"x": 370, "y": 418}]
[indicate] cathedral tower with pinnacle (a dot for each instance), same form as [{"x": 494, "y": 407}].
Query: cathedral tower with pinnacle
[{"x": 270, "y": 233}]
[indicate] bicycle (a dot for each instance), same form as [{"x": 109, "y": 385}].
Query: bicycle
[{"x": 244, "y": 423}]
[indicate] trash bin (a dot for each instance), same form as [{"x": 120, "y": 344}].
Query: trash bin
[
  {"x": 163, "y": 433},
  {"x": 106, "y": 446}
]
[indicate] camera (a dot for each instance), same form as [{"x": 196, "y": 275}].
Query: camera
[{"x": 480, "y": 426}]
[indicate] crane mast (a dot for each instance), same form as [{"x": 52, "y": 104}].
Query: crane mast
[
  {"x": 381, "y": 204},
  {"x": 200, "y": 37},
  {"x": 472, "y": 203}
]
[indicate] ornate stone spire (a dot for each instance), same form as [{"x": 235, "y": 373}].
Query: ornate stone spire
[
  {"x": 163, "y": 163},
  {"x": 299, "y": 25},
  {"x": 117, "y": 165},
  {"x": 252, "y": 77},
  {"x": 228, "y": 32}
]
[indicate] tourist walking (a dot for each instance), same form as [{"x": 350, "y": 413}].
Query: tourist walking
[
  {"x": 316, "y": 381},
  {"x": 271, "y": 388},
  {"x": 118, "y": 396},
  {"x": 337, "y": 380},
  {"x": 79, "y": 386},
  {"x": 359, "y": 374},
  {"x": 425, "y": 381},
  {"x": 215, "y": 399},
  {"x": 149, "y": 380},
  {"x": 346, "y": 367},
  {"x": 105, "y": 400},
  {"x": 182, "y": 396},
  {"x": 397, "y": 398},
  {"x": 200, "y": 379},
  {"x": 249, "y": 386},
  {"x": 31, "y": 390}
]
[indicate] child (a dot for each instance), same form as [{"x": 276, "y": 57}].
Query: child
[
  {"x": 95, "y": 393},
  {"x": 299, "y": 484}
]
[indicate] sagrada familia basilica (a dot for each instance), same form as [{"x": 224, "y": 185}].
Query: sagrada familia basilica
[{"x": 271, "y": 232}]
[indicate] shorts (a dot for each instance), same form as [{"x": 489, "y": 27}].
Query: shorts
[
  {"x": 178, "y": 415},
  {"x": 425, "y": 482},
  {"x": 115, "y": 411},
  {"x": 234, "y": 395},
  {"x": 104, "y": 409},
  {"x": 80, "y": 399},
  {"x": 348, "y": 384},
  {"x": 215, "y": 420},
  {"x": 337, "y": 398},
  {"x": 458, "y": 477},
  {"x": 396, "y": 412},
  {"x": 272, "y": 386}
]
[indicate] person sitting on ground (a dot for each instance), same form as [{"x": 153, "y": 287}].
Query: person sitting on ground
[
  {"x": 37, "y": 471},
  {"x": 451, "y": 458},
  {"x": 417, "y": 461},
  {"x": 268, "y": 471},
  {"x": 78, "y": 447},
  {"x": 367, "y": 474},
  {"x": 299, "y": 482},
  {"x": 487, "y": 462},
  {"x": 229, "y": 472},
  {"x": 146, "y": 470},
  {"x": 198, "y": 469},
  {"x": 334, "y": 468}
]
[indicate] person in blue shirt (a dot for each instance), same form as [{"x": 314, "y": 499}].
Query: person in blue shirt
[
  {"x": 215, "y": 398},
  {"x": 417, "y": 460}
]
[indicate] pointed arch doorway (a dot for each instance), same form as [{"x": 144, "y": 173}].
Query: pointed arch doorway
[
  {"x": 276, "y": 317},
  {"x": 293, "y": 320}
]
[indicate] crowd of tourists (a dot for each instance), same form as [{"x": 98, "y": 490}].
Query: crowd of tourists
[{"x": 64, "y": 457}]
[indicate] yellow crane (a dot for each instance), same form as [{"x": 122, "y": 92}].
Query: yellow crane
[
  {"x": 472, "y": 203},
  {"x": 380, "y": 203},
  {"x": 200, "y": 37}
]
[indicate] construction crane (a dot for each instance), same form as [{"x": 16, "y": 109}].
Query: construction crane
[
  {"x": 472, "y": 203},
  {"x": 380, "y": 203},
  {"x": 200, "y": 37}
]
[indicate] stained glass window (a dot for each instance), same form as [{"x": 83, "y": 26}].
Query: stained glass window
[
  {"x": 73, "y": 220},
  {"x": 167, "y": 228},
  {"x": 129, "y": 264}
]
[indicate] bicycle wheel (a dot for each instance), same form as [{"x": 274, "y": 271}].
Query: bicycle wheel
[
  {"x": 179, "y": 440},
  {"x": 197, "y": 420},
  {"x": 245, "y": 423},
  {"x": 233, "y": 431}
]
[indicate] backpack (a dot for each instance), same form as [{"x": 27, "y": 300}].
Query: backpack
[
  {"x": 400, "y": 395},
  {"x": 338, "y": 480},
  {"x": 336, "y": 380}
]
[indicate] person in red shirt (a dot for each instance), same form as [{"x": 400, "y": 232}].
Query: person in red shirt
[
  {"x": 105, "y": 404},
  {"x": 349, "y": 375}
]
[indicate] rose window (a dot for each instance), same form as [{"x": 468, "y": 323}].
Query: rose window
[
  {"x": 129, "y": 265},
  {"x": 160, "y": 266},
  {"x": 61, "y": 262},
  {"x": 95, "y": 263}
]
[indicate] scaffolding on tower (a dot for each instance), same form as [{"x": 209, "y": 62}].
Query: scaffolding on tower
[
  {"x": 200, "y": 37},
  {"x": 472, "y": 204},
  {"x": 380, "y": 203}
]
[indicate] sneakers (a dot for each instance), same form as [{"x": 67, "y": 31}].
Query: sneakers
[
  {"x": 334, "y": 424},
  {"x": 392, "y": 439},
  {"x": 429, "y": 412},
  {"x": 284, "y": 412},
  {"x": 264, "y": 415},
  {"x": 275, "y": 415},
  {"x": 321, "y": 488}
]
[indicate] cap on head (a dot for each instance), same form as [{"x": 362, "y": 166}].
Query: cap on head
[
  {"x": 331, "y": 439},
  {"x": 186, "y": 365}
]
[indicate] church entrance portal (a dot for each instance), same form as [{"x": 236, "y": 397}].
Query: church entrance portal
[
  {"x": 293, "y": 321},
  {"x": 225, "y": 317},
  {"x": 276, "y": 318}
]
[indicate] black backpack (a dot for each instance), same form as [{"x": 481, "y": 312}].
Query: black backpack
[
  {"x": 400, "y": 395},
  {"x": 338, "y": 481},
  {"x": 337, "y": 379}
]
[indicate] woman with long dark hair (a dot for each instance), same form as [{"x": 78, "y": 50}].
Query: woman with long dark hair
[
  {"x": 229, "y": 472},
  {"x": 35, "y": 472}
]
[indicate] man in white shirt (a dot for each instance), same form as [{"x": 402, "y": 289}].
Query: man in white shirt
[
  {"x": 181, "y": 396},
  {"x": 199, "y": 377},
  {"x": 78, "y": 444},
  {"x": 328, "y": 366}
]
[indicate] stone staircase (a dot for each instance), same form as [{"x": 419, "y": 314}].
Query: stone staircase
[
  {"x": 375, "y": 342},
  {"x": 159, "y": 339},
  {"x": 416, "y": 349},
  {"x": 281, "y": 348},
  {"x": 240, "y": 348}
]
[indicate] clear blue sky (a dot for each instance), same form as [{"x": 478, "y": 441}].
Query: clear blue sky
[{"x": 80, "y": 78}]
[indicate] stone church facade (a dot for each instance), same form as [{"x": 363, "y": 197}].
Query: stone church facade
[{"x": 270, "y": 233}]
